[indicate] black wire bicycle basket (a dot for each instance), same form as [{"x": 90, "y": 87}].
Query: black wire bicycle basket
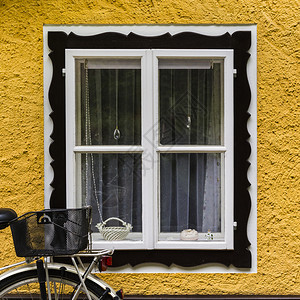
[{"x": 51, "y": 232}]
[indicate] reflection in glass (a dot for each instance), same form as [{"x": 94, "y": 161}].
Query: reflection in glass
[
  {"x": 112, "y": 184},
  {"x": 190, "y": 106},
  {"x": 190, "y": 192},
  {"x": 110, "y": 109}
]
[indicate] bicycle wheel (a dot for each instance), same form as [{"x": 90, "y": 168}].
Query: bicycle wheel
[{"x": 24, "y": 285}]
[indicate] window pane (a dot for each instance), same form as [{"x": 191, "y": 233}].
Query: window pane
[
  {"x": 190, "y": 104},
  {"x": 190, "y": 192},
  {"x": 112, "y": 184},
  {"x": 109, "y": 104}
]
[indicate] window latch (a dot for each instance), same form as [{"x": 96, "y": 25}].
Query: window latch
[
  {"x": 235, "y": 225},
  {"x": 63, "y": 72},
  {"x": 234, "y": 73}
]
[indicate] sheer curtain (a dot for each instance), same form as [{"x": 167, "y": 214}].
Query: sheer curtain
[
  {"x": 111, "y": 183},
  {"x": 190, "y": 112},
  {"x": 190, "y": 183}
]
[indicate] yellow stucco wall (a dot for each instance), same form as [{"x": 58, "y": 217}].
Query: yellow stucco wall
[{"x": 21, "y": 125}]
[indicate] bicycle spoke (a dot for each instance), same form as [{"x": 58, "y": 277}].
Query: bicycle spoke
[
  {"x": 54, "y": 290},
  {"x": 30, "y": 291}
]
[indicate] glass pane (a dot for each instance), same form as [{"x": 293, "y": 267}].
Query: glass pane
[
  {"x": 112, "y": 185},
  {"x": 109, "y": 104},
  {"x": 190, "y": 193},
  {"x": 190, "y": 104}
]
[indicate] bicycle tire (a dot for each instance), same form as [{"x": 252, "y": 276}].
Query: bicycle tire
[{"x": 24, "y": 285}]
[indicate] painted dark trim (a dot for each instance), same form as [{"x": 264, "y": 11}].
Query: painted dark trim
[{"x": 240, "y": 42}]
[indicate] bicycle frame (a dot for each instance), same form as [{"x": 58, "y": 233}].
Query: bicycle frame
[{"x": 78, "y": 268}]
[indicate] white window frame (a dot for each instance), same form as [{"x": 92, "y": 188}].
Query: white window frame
[
  {"x": 71, "y": 148},
  {"x": 227, "y": 148},
  {"x": 150, "y": 177}
]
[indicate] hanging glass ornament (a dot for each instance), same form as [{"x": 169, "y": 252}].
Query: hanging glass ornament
[{"x": 117, "y": 133}]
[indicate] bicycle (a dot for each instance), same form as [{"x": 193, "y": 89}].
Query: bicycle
[{"x": 40, "y": 237}]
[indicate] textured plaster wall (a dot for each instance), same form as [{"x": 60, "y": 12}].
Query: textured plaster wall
[{"x": 21, "y": 125}]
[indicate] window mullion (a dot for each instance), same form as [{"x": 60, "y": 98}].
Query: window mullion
[{"x": 148, "y": 130}]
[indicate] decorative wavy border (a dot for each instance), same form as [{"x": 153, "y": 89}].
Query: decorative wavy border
[{"x": 240, "y": 42}]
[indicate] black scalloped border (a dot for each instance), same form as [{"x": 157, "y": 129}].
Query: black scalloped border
[{"x": 240, "y": 42}]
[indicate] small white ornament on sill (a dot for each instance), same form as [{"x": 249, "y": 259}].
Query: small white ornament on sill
[
  {"x": 209, "y": 235},
  {"x": 189, "y": 235}
]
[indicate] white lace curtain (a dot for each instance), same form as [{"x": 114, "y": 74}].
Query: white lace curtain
[{"x": 190, "y": 114}]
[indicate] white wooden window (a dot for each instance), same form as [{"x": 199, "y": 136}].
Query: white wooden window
[{"x": 150, "y": 141}]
